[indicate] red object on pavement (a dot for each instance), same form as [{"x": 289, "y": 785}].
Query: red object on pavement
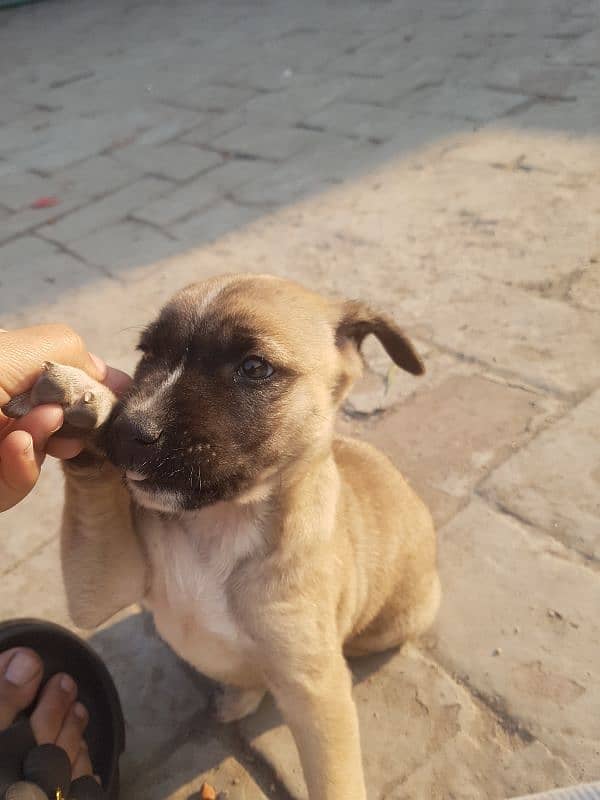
[{"x": 45, "y": 202}]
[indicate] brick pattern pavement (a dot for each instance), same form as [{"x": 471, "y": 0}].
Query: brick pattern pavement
[{"x": 440, "y": 157}]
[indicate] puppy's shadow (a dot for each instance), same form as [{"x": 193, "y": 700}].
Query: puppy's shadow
[{"x": 170, "y": 738}]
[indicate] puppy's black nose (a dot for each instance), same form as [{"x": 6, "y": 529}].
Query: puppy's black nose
[{"x": 137, "y": 428}]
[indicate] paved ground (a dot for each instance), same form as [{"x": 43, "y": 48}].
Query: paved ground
[{"x": 440, "y": 157}]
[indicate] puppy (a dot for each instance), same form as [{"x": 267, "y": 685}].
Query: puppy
[{"x": 216, "y": 493}]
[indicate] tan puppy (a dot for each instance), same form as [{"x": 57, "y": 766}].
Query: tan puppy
[{"x": 265, "y": 546}]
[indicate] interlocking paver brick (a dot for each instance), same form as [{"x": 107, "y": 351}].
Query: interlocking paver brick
[
  {"x": 122, "y": 246},
  {"x": 305, "y": 95},
  {"x": 106, "y": 211},
  {"x": 19, "y": 252},
  {"x": 388, "y": 88},
  {"x": 179, "y": 203},
  {"x": 306, "y": 173},
  {"x": 361, "y": 120},
  {"x": 215, "y": 98},
  {"x": 177, "y": 161},
  {"x": 40, "y": 280},
  {"x": 23, "y": 533},
  {"x": 214, "y": 124},
  {"x": 519, "y": 624},
  {"x": 478, "y": 105},
  {"x": 267, "y": 141},
  {"x": 560, "y": 495},
  {"x": 219, "y": 219},
  {"x": 528, "y": 76}
]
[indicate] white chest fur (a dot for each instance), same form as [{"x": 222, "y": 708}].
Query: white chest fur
[{"x": 192, "y": 559}]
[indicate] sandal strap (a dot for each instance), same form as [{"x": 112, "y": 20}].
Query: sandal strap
[
  {"x": 86, "y": 788},
  {"x": 15, "y": 742}
]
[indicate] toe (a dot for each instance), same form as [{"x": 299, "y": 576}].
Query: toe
[
  {"x": 71, "y": 733},
  {"x": 70, "y": 737},
  {"x": 20, "y": 675},
  {"x": 51, "y": 710},
  {"x": 82, "y": 764}
]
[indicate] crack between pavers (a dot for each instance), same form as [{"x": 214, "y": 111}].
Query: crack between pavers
[
  {"x": 63, "y": 248},
  {"x": 572, "y": 554},
  {"x": 544, "y": 388}
]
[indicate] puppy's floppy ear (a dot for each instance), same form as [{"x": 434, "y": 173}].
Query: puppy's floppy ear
[{"x": 357, "y": 321}]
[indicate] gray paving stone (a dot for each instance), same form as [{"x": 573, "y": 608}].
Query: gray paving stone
[
  {"x": 19, "y": 252},
  {"x": 73, "y": 187},
  {"x": 361, "y": 120},
  {"x": 64, "y": 144},
  {"x": 41, "y": 280},
  {"x": 177, "y": 161},
  {"x": 121, "y": 247},
  {"x": 518, "y": 624},
  {"x": 553, "y": 482},
  {"x": 307, "y": 173},
  {"x": 579, "y": 118},
  {"x": 22, "y": 533},
  {"x": 179, "y": 203},
  {"x": 387, "y": 89},
  {"x": 528, "y": 76},
  {"x": 20, "y": 189},
  {"x": 215, "y": 98},
  {"x": 305, "y": 95},
  {"x": 213, "y": 125},
  {"x": 234, "y": 172},
  {"x": 266, "y": 141},
  {"x": 107, "y": 210},
  {"x": 477, "y": 105},
  {"x": 219, "y": 219}
]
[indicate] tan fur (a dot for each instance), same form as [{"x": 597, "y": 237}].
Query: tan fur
[{"x": 333, "y": 553}]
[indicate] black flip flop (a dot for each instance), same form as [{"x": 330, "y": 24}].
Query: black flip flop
[{"x": 62, "y": 651}]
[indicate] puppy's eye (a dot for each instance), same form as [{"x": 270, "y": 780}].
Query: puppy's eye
[{"x": 255, "y": 369}]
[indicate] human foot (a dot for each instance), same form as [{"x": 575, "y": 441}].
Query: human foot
[{"x": 57, "y": 717}]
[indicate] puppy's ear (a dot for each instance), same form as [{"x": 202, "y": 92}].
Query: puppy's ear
[{"x": 357, "y": 321}]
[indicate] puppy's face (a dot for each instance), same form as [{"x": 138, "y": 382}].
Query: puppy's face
[{"x": 239, "y": 381}]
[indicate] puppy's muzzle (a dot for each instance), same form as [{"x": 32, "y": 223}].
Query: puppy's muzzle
[{"x": 133, "y": 437}]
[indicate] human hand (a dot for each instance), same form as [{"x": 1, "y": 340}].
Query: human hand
[{"x": 25, "y": 442}]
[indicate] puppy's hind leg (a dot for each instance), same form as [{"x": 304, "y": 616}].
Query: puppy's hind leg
[{"x": 399, "y": 621}]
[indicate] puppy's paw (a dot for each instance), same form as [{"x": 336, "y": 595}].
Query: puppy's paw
[
  {"x": 229, "y": 704},
  {"x": 87, "y": 404}
]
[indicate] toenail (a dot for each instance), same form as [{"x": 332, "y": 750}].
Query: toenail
[
  {"x": 22, "y": 668},
  {"x": 67, "y": 684},
  {"x": 80, "y": 711}
]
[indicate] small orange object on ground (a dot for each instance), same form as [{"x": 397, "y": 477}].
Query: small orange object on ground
[{"x": 207, "y": 792}]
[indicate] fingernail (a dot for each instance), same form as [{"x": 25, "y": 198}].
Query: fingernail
[
  {"x": 67, "y": 684},
  {"x": 22, "y": 668},
  {"x": 80, "y": 711},
  {"x": 28, "y": 449}
]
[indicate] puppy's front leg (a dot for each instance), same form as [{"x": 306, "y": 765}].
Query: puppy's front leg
[
  {"x": 316, "y": 702},
  {"x": 104, "y": 568}
]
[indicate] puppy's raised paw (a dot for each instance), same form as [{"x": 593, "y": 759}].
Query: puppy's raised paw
[
  {"x": 87, "y": 404},
  {"x": 229, "y": 704}
]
